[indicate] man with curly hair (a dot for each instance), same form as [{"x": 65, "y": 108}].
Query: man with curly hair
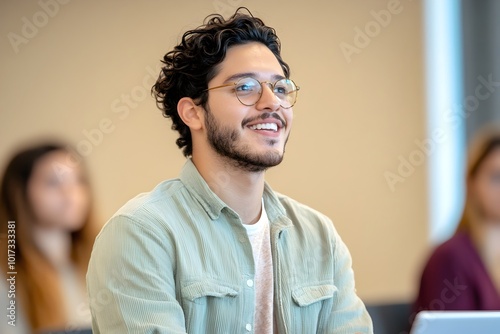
[{"x": 217, "y": 250}]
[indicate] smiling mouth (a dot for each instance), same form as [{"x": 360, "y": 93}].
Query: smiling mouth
[{"x": 265, "y": 126}]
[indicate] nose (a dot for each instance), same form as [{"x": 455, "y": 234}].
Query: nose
[{"x": 268, "y": 100}]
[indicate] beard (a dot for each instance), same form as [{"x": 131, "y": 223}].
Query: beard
[{"x": 224, "y": 141}]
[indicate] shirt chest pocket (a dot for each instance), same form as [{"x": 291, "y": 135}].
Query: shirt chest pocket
[
  {"x": 205, "y": 300},
  {"x": 312, "y": 305},
  {"x": 198, "y": 291},
  {"x": 307, "y": 295}
]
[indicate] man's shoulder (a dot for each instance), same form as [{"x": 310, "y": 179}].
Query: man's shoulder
[
  {"x": 146, "y": 205},
  {"x": 148, "y": 217}
]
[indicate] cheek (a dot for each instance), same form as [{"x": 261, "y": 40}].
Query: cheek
[
  {"x": 288, "y": 114},
  {"x": 226, "y": 108},
  {"x": 74, "y": 206},
  {"x": 488, "y": 198},
  {"x": 56, "y": 207},
  {"x": 494, "y": 198},
  {"x": 80, "y": 200},
  {"x": 45, "y": 203}
]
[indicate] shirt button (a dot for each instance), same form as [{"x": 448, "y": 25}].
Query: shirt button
[
  {"x": 250, "y": 284},
  {"x": 248, "y": 327}
]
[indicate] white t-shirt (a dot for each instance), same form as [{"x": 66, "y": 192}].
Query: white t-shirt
[{"x": 260, "y": 239}]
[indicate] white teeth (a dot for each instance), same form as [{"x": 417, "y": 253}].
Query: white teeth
[{"x": 265, "y": 126}]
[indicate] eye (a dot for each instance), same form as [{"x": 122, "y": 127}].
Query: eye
[
  {"x": 281, "y": 90},
  {"x": 283, "y": 87},
  {"x": 244, "y": 87},
  {"x": 247, "y": 86}
]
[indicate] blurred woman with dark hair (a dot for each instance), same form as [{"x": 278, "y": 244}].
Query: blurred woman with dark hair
[
  {"x": 464, "y": 272},
  {"x": 46, "y": 195}
]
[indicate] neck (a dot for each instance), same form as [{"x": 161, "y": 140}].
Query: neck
[
  {"x": 479, "y": 228},
  {"x": 240, "y": 190},
  {"x": 54, "y": 244}
]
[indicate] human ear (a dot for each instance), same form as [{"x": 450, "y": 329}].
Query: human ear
[{"x": 190, "y": 113}]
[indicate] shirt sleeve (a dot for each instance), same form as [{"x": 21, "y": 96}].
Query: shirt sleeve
[
  {"x": 130, "y": 280},
  {"x": 349, "y": 314}
]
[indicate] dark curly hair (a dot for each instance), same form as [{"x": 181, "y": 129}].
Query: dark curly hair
[{"x": 194, "y": 62}]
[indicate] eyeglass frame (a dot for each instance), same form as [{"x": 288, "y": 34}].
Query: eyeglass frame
[{"x": 268, "y": 83}]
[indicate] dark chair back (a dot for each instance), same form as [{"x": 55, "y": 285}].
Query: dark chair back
[{"x": 390, "y": 318}]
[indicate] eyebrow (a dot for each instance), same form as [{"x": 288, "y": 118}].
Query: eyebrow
[{"x": 237, "y": 76}]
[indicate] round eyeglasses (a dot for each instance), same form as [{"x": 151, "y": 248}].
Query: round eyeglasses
[{"x": 249, "y": 91}]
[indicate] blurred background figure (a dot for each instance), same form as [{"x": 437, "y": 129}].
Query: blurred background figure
[
  {"x": 45, "y": 190},
  {"x": 463, "y": 273}
]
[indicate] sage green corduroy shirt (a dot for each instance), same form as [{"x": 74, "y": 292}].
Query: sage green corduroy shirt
[{"x": 178, "y": 260}]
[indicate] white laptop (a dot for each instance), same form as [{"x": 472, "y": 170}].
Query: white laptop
[{"x": 456, "y": 322}]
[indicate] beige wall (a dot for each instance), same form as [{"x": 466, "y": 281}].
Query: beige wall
[{"x": 353, "y": 119}]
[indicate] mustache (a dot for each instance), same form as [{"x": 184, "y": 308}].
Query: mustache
[{"x": 264, "y": 116}]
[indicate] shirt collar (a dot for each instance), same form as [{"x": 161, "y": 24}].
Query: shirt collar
[
  {"x": 213, "y": 205},
  {"x": 197, "y": 186}
]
